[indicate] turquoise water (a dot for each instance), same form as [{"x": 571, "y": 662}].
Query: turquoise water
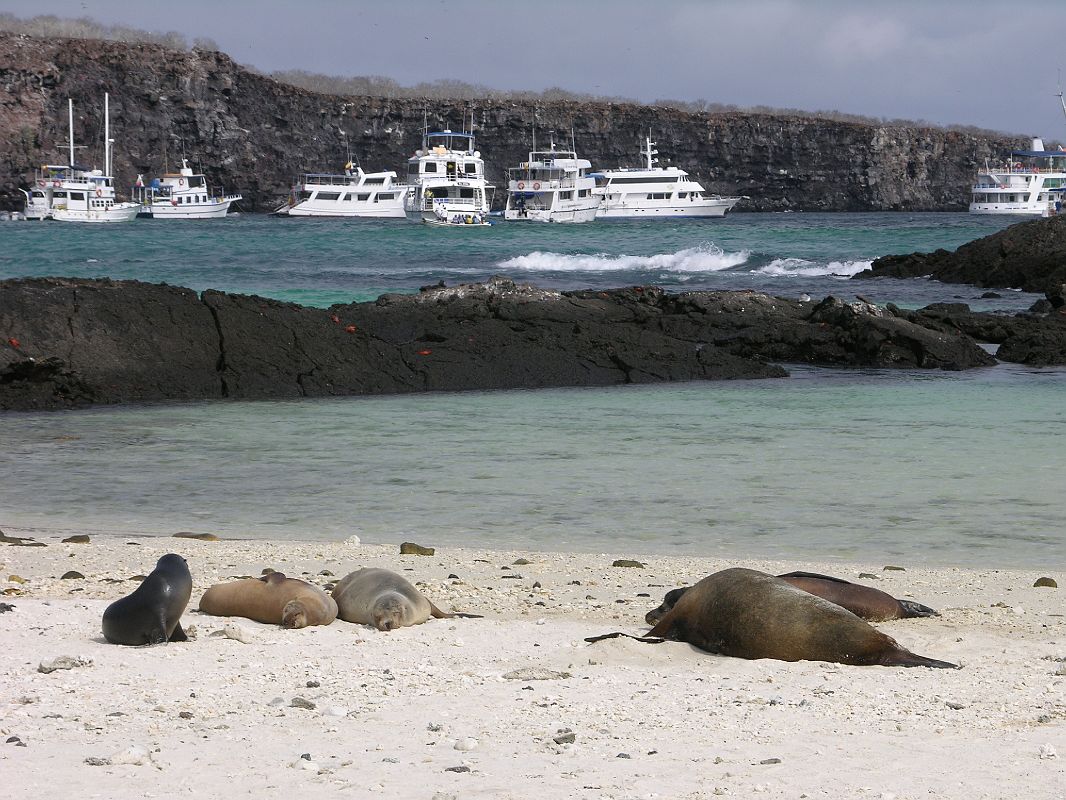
[
  {"x": 320, "y": 262},
  {"x": 917, "y": 467},
  {"x": 954, "y": 468}
]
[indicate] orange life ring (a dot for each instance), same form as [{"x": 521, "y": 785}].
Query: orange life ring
[
  {"x": 41, "y": 183},
  {"x": 181, "y": 181},
  {"x": 56, "y": 184},
  {"x": 536, "y": 185},
  {"x": 173, "y": 202},
  {"x": 521, "y": 185},
  {"x": 99, "y": 192}
]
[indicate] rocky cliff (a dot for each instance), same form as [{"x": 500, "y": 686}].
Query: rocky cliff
[{"x": 253, "y": 134}]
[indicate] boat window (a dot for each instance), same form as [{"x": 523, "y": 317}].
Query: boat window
[
  {"x": 39, "y": 194},
  {"x": 196, "y": 180},
  {"x": 682, "y": 195},
  {"x": 374, "y": 182},
  {"x": 466, "y": 192},
  {"x": 304, "y": 195},
  {"x": 471, "y": 169},
  {"x": 566, "y": 195},
  {"x": 364, "y": 196},
  {"x": 329, "y": 195},
  {"x": 430, "y": 166},
  {"x": 59, "y": 195},
  {"x": 649, "y": 179},
  {"x": 77, "y": 195},
  {"x": 583, "y": 193},
  {"x": 412, "y": 169},
  {"x": 386, "y": 196}
]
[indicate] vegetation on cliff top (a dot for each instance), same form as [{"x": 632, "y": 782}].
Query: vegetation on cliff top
[{"x": 49, "y": 26}]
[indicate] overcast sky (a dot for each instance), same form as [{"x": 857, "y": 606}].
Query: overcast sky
[{"x": 971, "y": 62}]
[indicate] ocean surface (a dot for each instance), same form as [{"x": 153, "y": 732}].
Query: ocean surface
[{"x": 874, "y": 466}]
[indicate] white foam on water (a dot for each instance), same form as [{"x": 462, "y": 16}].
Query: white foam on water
[
  {"x": 801, "y": 267},
  {"x": 702, "y": 258}
]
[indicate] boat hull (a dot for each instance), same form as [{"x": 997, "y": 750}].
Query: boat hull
[
  {"x": 120, "y": 212},
  {"x": 635, "y": 211},
  {"x": 164, "y": 210},
  {"x": 569, "y": 216},
  {"x": 377, "y": 211}
]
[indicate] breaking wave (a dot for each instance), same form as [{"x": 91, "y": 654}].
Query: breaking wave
[
  {"x": 801, "y": 267},
  {"x": 704, "y": 258}
]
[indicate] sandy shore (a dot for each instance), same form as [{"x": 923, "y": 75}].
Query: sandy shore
[{"x": 444, "y": 710}]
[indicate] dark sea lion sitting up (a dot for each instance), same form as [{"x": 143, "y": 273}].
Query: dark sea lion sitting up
[
  {"x": 862, "y": 601},
  {"x": 749, "y": 614},
  {"x": 152, "y": 613}
]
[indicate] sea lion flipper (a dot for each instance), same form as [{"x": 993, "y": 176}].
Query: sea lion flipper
[
  {"x": 436, "y": 613},
  {"x": 464, "y": 615},
  {"x": 617, "y": 634},
  {"x": 905, "y": 658},
  {"x": 912, "y": 609},
  {"x": 801, "y": 574},
  {"x": 178, "y": 635}
]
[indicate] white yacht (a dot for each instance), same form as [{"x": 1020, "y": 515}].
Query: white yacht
[
  {"x": 180, "y": 195},
  {"x": 447, "y": 177},
  {"x": 353, "y": 194},
  {"x": 72, "y": 193},
  {"x": 653, "y": 191},
  {"x": 552, "y": 186},
  {"x": 1030, "y": 182}
]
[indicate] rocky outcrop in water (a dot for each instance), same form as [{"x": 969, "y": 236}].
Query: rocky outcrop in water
[
  {"x": 1030, "y": 256},
  {"x": 253, "y": 134},
  {"x": 73, "y": 342}
]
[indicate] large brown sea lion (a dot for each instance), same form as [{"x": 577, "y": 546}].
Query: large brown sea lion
[
  {"x": 749, "y": 614},
  {"x": 862, "y": 601},
  {"x": 152, "y": 613},
  {"x": 381, "y": 598},
  {"x": 273, "y": 599}
]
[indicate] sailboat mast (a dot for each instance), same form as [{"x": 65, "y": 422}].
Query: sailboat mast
[
  {"x": 107, "y": 139},
  {"x": 70, "y": 119}
]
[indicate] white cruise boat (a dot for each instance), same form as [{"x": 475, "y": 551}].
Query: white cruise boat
[
  {"x": 447, "y": 177},
  {"x": 353, "y": 194},
  {"x": 180, "y": 195},
  {"x": 653, "y": 191},
  {"x": 72, "y": 193},
  {"x": 1030, "y": 182},
  {"x": 552, "y": 186}
]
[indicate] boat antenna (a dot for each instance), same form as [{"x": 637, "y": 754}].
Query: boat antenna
[
  {"x": 1061, "y": 101},
  {"x": 573, "y": 139}
]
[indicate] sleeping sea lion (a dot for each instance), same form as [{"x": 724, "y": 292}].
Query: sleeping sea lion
[
  {"x": 273, "y": 599},
  {"x": 383, "y": 599},
  {"x": 749, "y": 614},
  {"x": 862, "y": 601},
  {"x": 152, "y": 613}
]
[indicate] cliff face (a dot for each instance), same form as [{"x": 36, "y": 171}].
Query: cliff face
[{"x": 252, "y": 134}]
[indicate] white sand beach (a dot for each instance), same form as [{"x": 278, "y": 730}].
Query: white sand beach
[{"x": 515, "y": 705}]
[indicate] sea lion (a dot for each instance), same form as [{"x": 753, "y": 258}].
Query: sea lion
[
  {"x": 273, "y": 599},
  {"x": 862, "y": 601},
  {"x": 749, "y": 614},
  {"x": 383, "y": 599},
  {"x": 152, "y": 613}
]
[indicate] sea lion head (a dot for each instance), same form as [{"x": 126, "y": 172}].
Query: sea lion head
[
  {"x": 294, "y": 615},
  {"x": 652, "y": 617},
  {"x": 172, "y": 561},
  {"x": 390, "y": 611}
]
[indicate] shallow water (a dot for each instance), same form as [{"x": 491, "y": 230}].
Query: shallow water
[
  {"x": 949, "y": 468},
  {"x": 918, "y": 467}
]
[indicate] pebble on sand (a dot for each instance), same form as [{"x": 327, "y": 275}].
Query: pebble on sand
[
  {"x": 1049, "y": 583},
  {"x": 628, "y": 562},
  {"x": 202, "y": 537},
  {"x": 80, "y": 538},
  {"x": 412, "y": 549}
]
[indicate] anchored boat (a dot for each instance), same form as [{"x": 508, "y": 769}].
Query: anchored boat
[
  {"x": 180, "y": 195},
  {"x": 653, "y": 191},
  {"x": 447, "y": 177},
  {"x": 551, "y": 186}
]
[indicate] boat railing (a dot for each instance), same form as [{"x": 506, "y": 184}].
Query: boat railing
[
  {"x": 524, "y": 183},
  {"x": 322, "y": 179},
  {"x": 451, "y": 202}
]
